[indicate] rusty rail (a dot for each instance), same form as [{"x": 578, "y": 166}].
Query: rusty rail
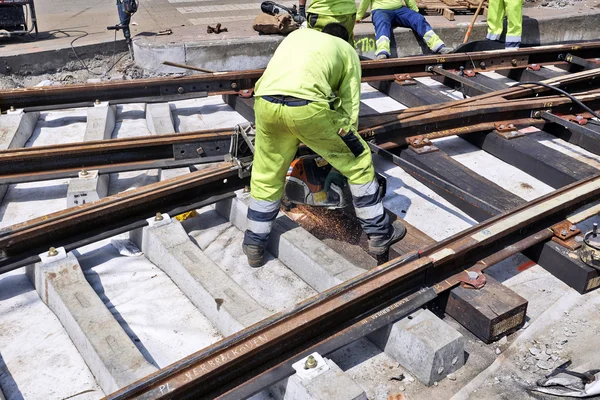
[
  {"x": 181, "y": 87},
  {"x": 246, "y": 356}
]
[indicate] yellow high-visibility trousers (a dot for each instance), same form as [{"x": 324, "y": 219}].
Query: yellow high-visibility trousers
[{"x": 513, "y": 9}]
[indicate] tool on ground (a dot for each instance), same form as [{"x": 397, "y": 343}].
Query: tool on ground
[
  {"x": 310, "y": 180},
  {"x": 16, "y": 16},
  {"x": 217, "y": 29},
  {"x": 272, "y": 8},
  {"x": 470, "y": 28},
  {"x": 185, "y": 66},
  {"x": 562, "y": 382},
  {"x": 126, "y": 9}
]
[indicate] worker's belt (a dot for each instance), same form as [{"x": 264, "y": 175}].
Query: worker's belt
[{"x": 289, "y": 101}]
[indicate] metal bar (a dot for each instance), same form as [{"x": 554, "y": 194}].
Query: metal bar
[
  {"x": 231, "y": 82},
  {"x": 104, "y": 170},
  {"x": 171, "y": 150},
  {"x": 219, "y": 368},
  {"x": 77, "y": 243},
  {"x": 581, "y": 135},
  {"x": 582, "y": 62},
  {"x": 463, "y": 80},
  {"x": 20, "y": 241}
]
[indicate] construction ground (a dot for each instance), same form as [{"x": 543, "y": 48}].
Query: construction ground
[{"x": 123, "y": 301}]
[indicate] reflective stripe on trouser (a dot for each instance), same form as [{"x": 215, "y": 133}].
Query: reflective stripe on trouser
[
  {"x": 279, "y": 131},
  {"x": 433, "y": 41},
  {"x": 513, "y": 9},
  {"x": 260, "y": 218},
  {"x": 383, "y": 46},
  {"x": 319, "y": 21},
  {"x": 368, "y": 206},
  {"x": 385, "y": 20}
]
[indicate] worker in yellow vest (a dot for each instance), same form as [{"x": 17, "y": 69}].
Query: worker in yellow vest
[
  {"x": 389, "y": 13},
  {"x": 323, "y": 12},
  {"x": 312, "y": 97},
  {"x": 513, "y": 9}
]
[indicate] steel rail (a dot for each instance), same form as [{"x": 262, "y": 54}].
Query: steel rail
[
  {"x": 184, "y": 149},
  {"x": 237, "y": 81},
  {"x": 30, "y": 238},
  {"x": 246, "y": 355},
  {"x": 113, "y": 155},
  {"x": 477, "y": 114}
]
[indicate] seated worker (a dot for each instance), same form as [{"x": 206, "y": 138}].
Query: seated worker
[
  {"x": 323, "y": 12},
  {"x": 387, "y": 14},
  {"x": 312, "y": 97}
]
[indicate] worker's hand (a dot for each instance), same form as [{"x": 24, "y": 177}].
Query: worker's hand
[{"x": 334, "y": 177}]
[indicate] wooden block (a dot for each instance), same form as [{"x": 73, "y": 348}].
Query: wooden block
[
  {"x": 565, "y": 265},
  {"x": 485, "y": 12},
  {"x": 449, "y": 14},
  {"x": 489, "y": 313}
]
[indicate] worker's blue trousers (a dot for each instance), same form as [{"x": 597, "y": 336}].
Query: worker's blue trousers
[{"x": 385, "y": 20}]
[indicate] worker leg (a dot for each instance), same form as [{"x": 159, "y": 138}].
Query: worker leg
[
  {"x": 319, "y": 21},
  {"x": 317, "y": 126},
  {"x": 382, "y": 19},
  {"x": 514, "y": 15},
  {"x": 275, "y": 148},
  {"x": 406, "y": 17},
  {"x": 494, "y": 19}
]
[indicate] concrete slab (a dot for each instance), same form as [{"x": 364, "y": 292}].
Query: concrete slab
[
  {"x": 216, "y": 295},
  {"x": 503, "y": 174},
  {"x": 204, "y": 113},
  {"x": 245, "y": 50},
  {"x": 16, "y": 127},
  {"x": 142, "y": 298},
  {"x": 101, "y": 121},
  {"x": 419, "y": 205},
  {"x": 87, "y": 188},
  {"x": 330, "y": 384},
  {"x": 424, "y": 345},
  {"x": 30, "y": 331},
  {"x": 164, "y": 174},
  {"x": 159, "y": 119},
  {"x": 131, "y": 122},
  {"x": 111, "y": 355},
  {"x": 273, "y": 286},
  {"x": 312, "y": 260}
]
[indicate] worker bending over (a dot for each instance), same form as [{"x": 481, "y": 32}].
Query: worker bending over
[
  {"x": 312, "y": 96},
  {"x": 513, "y": 9},
  {"x": 387, "y": 14},
  {"x": 323, "y": 12}
]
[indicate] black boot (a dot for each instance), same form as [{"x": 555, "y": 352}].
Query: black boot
[
  {"x": 255, "y": 254},
  {"x": 380, "y": 244}
]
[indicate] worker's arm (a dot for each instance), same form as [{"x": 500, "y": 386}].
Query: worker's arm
[
  {"x": 362, "y": 9},
  {"x": 412, "y": 4},
  {"x": 349, "y": 91}
]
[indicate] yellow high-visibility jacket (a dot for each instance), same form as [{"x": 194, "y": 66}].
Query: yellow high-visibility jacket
[
  {"x": 332, "y": 7},
  {"x": 384, "y": 5},
  {"x": 315, "y": 66}
]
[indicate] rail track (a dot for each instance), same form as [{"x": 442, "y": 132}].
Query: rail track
[{"x": 528, "y": 132}]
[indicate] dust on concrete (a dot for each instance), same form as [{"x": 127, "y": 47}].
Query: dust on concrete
[{"x": 100, "y": 68}]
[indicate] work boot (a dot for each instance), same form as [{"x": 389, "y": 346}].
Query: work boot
[
  {"x": 382, "y": 56},
  {"x": 255, "y": 254},
  {"x": 380, "y": 244},
  {"x": 445, "y": 50}
]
